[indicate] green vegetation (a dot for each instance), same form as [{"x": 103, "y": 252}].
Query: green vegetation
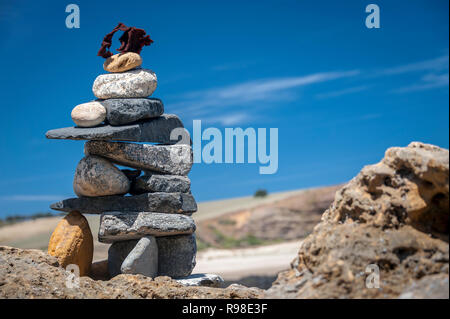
[
  {"x": 227, "y": 242},
  {"x": 228, "y": 222},
  {"x": 201, "y": 244},
  {"x": 260, "y": 193}
]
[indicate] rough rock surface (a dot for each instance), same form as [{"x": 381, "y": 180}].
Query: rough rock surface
[
  {"x": 150, "y": 183},
  {"x": 88, "y": 114},
  {"x": 393, "y": 215},
  {"x": 143, "y": 258},
  {"x": 207, "y": 280},
  {"x": 34, "y": 274},
  {"x": 176, "y": 255},
  {"x": 167, "y": 159},
  {"x": 96, "y": 176},
  {"x": 122, "y": 62},
  {"x": 151, "y": 202},
  {"x": 118, "y": 226},
  {"x": 155, "y": 130},
  {"x": 126, "y": 111},
  {"x": 71, "y": 242},
  {"x": 130, "y": 84},
  {"x": 429, "y": 287}
]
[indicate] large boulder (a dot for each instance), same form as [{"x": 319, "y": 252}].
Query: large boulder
[
  {"x": 387, "y": 228},
  {"x": 72, "y": 243}
]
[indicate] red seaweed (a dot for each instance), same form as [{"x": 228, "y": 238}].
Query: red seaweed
[{"x": 132, "y": 40}]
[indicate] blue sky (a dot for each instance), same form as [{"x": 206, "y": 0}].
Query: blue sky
[{"x": 339, "y": 93}]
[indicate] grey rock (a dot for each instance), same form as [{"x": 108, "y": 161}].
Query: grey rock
[
  {"x": 150, "y": 183},
  {"x": 206, "y": 280},
  {"x": 120, "y": 226},
  {"x": 151, "y": 202},
  {"x": 117, "y": 253},
  {"x": 168, "y": 159},
  {"x": 96, "y": 176},
  {"x": 142, "y": 259},
  {"x": 428, "y": 287},
  {"x": 155, "y": 130},
  {"x": 176, "y": 255},
  {"x": 125, "y": 111},
  {"x": 130, "y": 84}
]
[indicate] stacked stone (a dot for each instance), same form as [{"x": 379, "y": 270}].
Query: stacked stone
[{"x": 145, "y": 210}]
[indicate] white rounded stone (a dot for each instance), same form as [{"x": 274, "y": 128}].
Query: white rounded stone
[
  {"x": 135, "y": 83},
  {"x": 88, "y": 114}
]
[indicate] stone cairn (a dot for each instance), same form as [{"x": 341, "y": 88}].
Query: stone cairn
[{"x": 150, "y": 229}]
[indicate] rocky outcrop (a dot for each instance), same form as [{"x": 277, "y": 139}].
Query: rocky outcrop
[
  {"x": 34, "y": 274},
  {"x": 391, "y": 219}
]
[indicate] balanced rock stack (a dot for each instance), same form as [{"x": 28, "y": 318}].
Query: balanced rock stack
[{"x": 150, "y": 229}]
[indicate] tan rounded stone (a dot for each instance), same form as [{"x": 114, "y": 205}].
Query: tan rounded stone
[
  {"x": 88, "y": 114},
  {"x": 122, "y": 62},
  {"x": 96, "y": 176},
  {"x": 72, "y": 243}
]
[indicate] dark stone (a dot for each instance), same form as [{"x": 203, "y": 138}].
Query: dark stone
[
  {"x": 156, "y": 130},
  {"x": 150, "y": 183},
  {"x": 117, "y": 253},
  {"x": 132, "y": 174},
  {"x": 150, "y": 202},
  {"x": 126, "y": 111},
  {"x": 120, "y": 226},
  {"x": 176, "y": 255}
]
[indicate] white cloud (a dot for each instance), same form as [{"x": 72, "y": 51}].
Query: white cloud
[
  {"x": 351, "y": 90},
  {"x": 437, "y": 64},
  {"x": 228, "y": 119},
  {"x": 429, "y": 81},
  {"x": 248, "y": 92}
]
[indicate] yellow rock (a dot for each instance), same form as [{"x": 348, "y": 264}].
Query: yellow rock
[
  {"x": 122, "y": 62},
  {"x": 71, "y": 242}
]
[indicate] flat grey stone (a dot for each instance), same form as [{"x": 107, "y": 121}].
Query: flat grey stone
[
  {"x": 134, "y": 83},
  {"x": 120, "y": 226},
  {"x": 176, "y": 255},
  {"x": 125, "y": 111},
  {"x": 168, "y": 159},
  {"x": 142, "y": 259},
  {"x": 151, "y": 202},
  {"x": 155, "y": 130},
  {"x": 117, "y": 253},
  {"x": 150, "y": 183},
  {"x": 206, "y": 280}
]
